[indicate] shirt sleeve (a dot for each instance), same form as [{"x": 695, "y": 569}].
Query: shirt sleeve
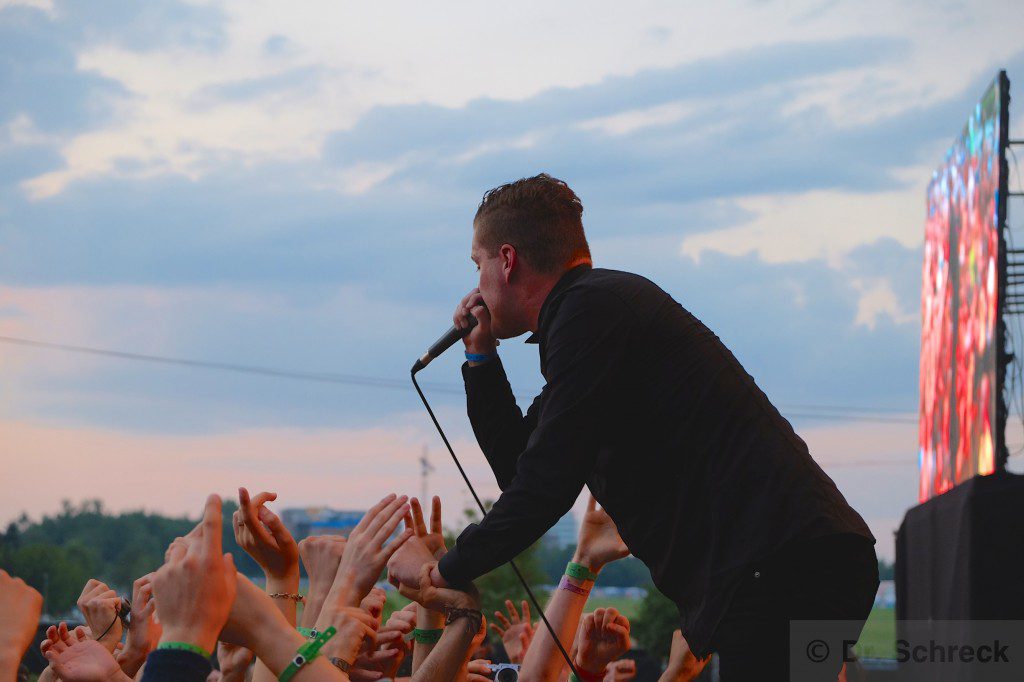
[
  {"x": 499, "y": 425},
  {"x": 172, "y": 665},
  {"x": 589, "y": 335}
]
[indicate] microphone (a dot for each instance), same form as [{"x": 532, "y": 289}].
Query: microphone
[{"x": 444, "y": 343}]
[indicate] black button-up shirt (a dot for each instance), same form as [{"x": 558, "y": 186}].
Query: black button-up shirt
[{"x": 650, "y": 410}]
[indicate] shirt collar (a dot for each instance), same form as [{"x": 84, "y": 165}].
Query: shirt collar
[{"x": 561, "y": 285}]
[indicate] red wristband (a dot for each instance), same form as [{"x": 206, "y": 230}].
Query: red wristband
[{"x": 585, "y": 676}]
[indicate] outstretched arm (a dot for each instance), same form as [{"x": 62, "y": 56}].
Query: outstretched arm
[{"x": 589, "y": 336}]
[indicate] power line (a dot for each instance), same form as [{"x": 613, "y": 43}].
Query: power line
[{"x": 827, "y": 412}]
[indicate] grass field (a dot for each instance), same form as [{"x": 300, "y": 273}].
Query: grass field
[{"x": 878, "y": 640}]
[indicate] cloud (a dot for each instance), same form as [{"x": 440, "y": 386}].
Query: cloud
[{"x": 822, "y": 224}]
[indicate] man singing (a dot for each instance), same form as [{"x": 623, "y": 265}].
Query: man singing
[{"x": 708, "y": 484}]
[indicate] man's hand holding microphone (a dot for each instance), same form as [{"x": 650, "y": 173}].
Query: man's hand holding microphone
[{"x": 479, "y": 341}]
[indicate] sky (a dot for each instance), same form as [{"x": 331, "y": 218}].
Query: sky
[{"x": 292, "y": 186}]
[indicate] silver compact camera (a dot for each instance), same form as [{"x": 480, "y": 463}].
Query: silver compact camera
[{"x": 504, "y": 672}]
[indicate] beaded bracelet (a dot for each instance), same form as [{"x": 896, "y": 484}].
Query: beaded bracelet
[
  {"x": 451, "y": 613},
  {"x": 297, "y": 598}
]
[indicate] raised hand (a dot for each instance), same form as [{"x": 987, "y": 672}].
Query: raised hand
[
  {"x": 391, "y": 638},
  {"x": 194, "y": 591},
  {"x": 366, "y": 555},
  {"x": 20, "y": 606},
  {"x": 143, "y": 629},
  {"x": 481, "y": 339},
  {"x": 621, "y": 670},
  {"x": 438, "y": 598},
  {"x": 604, "y": 637},
  {"x": 401, "y": 623},
  {"x": 516, "y": 633},
  {"x": 321, "y": 555},
  {"x": 354, "y": 627},
  {"x": 77, "y": 658},
  {"x": 262, "y": 534},
  {"x": 598, "y": 542},
  {"x": 234, "y": 661},
  {"x": 433, "y": 537},
  {"x": 478, "y": 670},
  {"x": 99, "y": 606},
  {"x": 404, "y": 566},
  {"x": 683, "y": 666}
]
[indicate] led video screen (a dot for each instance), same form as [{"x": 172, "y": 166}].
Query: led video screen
[{"x": 961, "y": 342}]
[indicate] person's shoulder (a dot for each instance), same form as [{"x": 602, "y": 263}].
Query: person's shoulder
[
  {"x": 603, "y": 291},
  {"x": 604, "y": 278},
  {"x": 614, "y": 285}
]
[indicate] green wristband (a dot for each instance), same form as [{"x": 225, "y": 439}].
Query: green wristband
[
  {"x": 427, "y": 636},
  {"x": 579, "y": 571},
  {"x": 184, "y": 646},
  {"x": 306, "y": 653},
  {"x": 308, "y": 633}
]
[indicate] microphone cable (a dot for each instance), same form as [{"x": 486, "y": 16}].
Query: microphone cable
[{"x": 512, "y": 563}]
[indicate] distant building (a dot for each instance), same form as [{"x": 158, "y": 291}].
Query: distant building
[
  {"x": 563, "y": 533},
  {"x": 303, "y": 523}
]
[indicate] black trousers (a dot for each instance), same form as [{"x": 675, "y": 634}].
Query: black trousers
[{"x": 832, "y": 578}]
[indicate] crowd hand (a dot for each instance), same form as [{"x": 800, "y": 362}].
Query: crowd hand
[
  {"x": 480, "y": 340},
  {"x": 682, "y": 664},
  {"x": 75, "y": 657},
  {"x": 516, "y": 633},
  {"x": 233, "y": 661},
  {"x": 604, "y": 637},
  {"x": 401, "y": 623},
  {"x": 321, "y": 555},
  {"x": 598, "y": 543},
  {"x": 143, "y": 629},
  {"x": 262, "y": 534},
  {"x": 99, "y": 606},
  {"x": 391, "y": 637},
  {"x": 354, "y": 625},
  {"x": 404, "y": 567},
  {"x": 196, "y": 588},
  {"x": 371, "y": 661},
  {"x": 478, "y": 670},
  {"x": 438, "y": 598},
  {"x": 20, "y": 606},
  {"x": 478, "y": 640},
  {"x": 376, "y": 664},
  {"x": 621, "y": 670},
  {"x": 365, "y": 555},
  {"x": 434, "y": 537},
  {"x": 373, "y": 604}
]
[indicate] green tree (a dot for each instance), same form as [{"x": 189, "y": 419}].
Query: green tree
[
  {"x": 653, "y": 626},
  {"x": 57, "y": 572}
]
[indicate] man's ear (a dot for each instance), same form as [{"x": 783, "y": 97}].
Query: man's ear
[{"x": 509, "y": 261}]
